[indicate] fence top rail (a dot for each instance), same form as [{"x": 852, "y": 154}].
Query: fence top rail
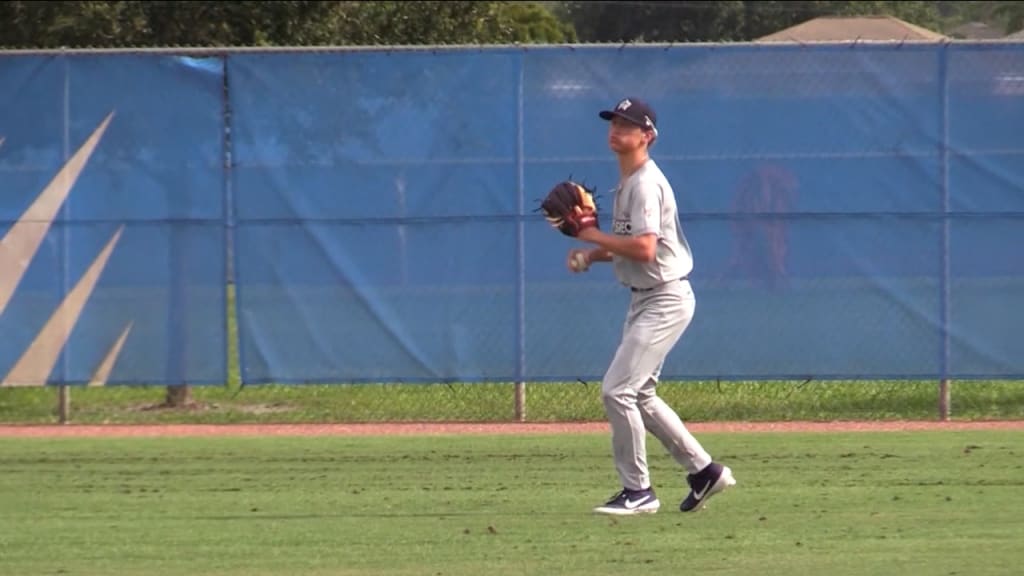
[{"x": 762, "y": 45}]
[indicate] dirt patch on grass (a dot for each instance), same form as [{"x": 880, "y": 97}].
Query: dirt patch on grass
[{"x": 430, "y": 428}]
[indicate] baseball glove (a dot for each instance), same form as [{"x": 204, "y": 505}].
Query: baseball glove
[{"x": 569, "y": 208}]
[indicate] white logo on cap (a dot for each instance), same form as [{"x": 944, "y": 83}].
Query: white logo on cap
[{"x": 624, "y": 105}]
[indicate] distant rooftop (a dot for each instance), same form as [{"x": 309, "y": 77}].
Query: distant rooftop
[{"x": 842, "y": 28}]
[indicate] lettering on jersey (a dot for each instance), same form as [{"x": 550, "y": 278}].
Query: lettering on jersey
[{"x": 622, "y": 227}]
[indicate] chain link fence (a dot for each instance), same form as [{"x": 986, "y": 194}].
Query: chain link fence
[
  {"x": 836, "y": 197},
  {"x": 694, "y": 401}
]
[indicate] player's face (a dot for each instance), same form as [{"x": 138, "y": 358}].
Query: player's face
[{"x": 624, "y": 136}]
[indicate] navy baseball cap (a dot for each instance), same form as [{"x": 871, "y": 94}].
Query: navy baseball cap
[{"x": 636, "y": 111}]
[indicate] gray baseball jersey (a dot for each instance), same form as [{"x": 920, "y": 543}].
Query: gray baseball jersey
[{"x": 644, "y": 202}]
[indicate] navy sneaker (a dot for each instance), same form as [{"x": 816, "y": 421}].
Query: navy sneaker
[
  {"x": 703, "y": 485},
  {"x": 631, "y": 502}
]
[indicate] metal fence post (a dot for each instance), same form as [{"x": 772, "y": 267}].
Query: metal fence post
[
  {"x": 64, "y": 393},
  {"x": 520, "y": 386},
  {"x": 943, "y": 77}
]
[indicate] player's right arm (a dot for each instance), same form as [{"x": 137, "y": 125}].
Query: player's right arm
[{"x": 599, "y": 255}]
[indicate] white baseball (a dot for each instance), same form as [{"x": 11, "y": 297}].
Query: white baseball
[{"x": 579, "y": 261}]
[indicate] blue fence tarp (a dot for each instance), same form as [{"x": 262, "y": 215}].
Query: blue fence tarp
[{"x": 855, "y": 211}]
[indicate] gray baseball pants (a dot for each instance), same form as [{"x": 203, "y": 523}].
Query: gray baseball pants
[{"x": 654, "y": 323}]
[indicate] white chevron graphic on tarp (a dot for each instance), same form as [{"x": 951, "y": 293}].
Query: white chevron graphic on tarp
[
  {"x": 17, "y": 250},
  {"x": 102, "y": 373},
  {"x": 22, "y": 241},
  {"x": 35, "y": 365}
]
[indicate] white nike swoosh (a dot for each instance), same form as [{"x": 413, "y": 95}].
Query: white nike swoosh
[
  {"x": 699, "y": 495},
  {"x": 631, "y": 504}
]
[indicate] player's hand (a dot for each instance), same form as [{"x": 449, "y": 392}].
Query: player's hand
[{"x": 578, "y": 260}]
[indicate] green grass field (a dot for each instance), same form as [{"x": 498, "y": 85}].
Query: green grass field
[{"x": 922, "y": 503}]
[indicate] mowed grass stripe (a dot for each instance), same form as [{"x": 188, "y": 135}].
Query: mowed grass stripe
[{"x": 863, "y": 503}]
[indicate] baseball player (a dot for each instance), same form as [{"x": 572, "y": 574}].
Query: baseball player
[{"x": 650, "y": 254}]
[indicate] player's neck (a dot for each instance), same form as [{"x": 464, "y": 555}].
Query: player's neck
[{"x": 630, "y": 163}]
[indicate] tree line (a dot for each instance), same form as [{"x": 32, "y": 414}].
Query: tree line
[{"x": 152, "y": 23}]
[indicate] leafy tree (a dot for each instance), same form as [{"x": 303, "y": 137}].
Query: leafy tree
[
  {"x": 451, "y": 22},
  {"x": 56, "y": 24},
  {"x": 654, "y": 21},
  {"x": 1012, "y": 13},
  {"x": 1007, "y": 16},
  {"x": 527, "y": 22},
  {"x": 53, "y": 24}
]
